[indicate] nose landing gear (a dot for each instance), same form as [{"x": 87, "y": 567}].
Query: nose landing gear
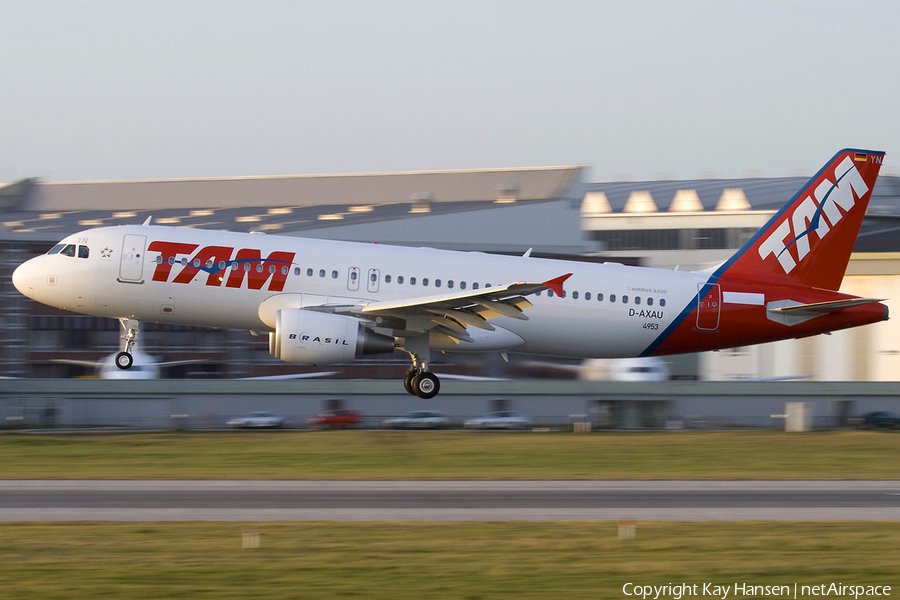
[{"x": 124, "y": 359}]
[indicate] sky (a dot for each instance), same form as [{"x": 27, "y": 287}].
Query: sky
[{"x": 637, "y": 90}]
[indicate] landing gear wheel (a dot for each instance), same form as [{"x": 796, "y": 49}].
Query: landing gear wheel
[
  {"x": 426, "y": 385},
  {"x": 408, "y": 382},
  {"x": 124, "y": 360}
]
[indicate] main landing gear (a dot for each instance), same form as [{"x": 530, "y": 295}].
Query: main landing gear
[
  {"x": 420, "y": 381},
  {"x": 124, "y": 359}
]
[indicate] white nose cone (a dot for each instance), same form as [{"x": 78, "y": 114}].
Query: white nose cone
[{"x": 23, "y": 279}]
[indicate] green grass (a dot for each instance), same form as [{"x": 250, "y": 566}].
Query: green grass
[
  {"x": 401, "y": 561},
  {"x": 452, "y": 455}
]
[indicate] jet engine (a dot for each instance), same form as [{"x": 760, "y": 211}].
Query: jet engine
[{"x": 318, "y": 338}]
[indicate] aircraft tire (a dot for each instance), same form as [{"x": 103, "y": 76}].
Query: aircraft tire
[
  {"x": 124, "y": 360},
  {"x": 408, "y": 382},
  {"x": 426, "y": 385}
]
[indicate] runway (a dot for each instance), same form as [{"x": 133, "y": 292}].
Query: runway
[{"x": 60, "y": 500}]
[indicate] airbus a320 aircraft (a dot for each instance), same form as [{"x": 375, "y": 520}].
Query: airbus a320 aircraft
[{"x": 326, "y": 302}]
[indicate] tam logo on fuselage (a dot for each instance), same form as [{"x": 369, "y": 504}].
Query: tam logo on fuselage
[
  {"x": 807, "y": 218},
  {"x": 217, "y": 261}
]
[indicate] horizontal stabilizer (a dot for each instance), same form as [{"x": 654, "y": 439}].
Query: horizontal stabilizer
[
  {"x": 790, "y": 312},
  {"x": 821, "y": 308}
]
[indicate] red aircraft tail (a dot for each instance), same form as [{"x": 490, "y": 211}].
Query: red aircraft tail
[{"x": 810, "y": 239}]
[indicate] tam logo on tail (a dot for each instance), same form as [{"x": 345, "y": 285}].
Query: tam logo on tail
[
  {"x": 809, "y": 241},
  {"x": 806, "y": 218}
]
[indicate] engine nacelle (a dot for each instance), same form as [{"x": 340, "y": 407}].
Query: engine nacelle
[{"x": 318, "y": 338}]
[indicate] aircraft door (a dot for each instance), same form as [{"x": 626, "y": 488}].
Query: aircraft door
[
  {"x": 131, "y": 267},
  {"x": 708, "y": 307},
  {"x": 373, "y": 280},
  {"x": 353, "y": 279}
]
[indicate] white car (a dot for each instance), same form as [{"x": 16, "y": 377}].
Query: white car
[
  {"x": 257, "y": 419},
  {"x": 419, "y": 419},
  {"x": 500, "y": 419}
]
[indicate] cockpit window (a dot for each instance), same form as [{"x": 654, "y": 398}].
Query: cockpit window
[
  {"x": 83, "y": 251},
  {"x": 55, "y": 249},
  {"x": 69, "y": 250}
]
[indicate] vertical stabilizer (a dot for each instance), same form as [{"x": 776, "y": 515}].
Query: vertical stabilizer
[{"x": 811, "y": 238}]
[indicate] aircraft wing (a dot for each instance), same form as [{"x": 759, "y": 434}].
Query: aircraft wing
[{"x": 451, "y": 314}]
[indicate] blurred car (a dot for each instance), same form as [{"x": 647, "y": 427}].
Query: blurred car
[
  {"x": 500, "y": 419},
  {"x": 335, "y": 419},
  {"x": 419, "y": 419},
  {"x": 877, "y": 420},
  {"x": 258, "y": 419}
]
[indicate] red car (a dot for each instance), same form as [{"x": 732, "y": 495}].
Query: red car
[{"x": 334, "y": 419}]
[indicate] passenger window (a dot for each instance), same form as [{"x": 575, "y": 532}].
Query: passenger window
[
  {"x": 171, "y": 260},
  {"x": 83, "y": 251},
  {"x": 450, "y": 284},
  {"x": 425, "y": 281},
  {"x": 272, "y": 269},
  {"x": 69, "y": 250},
  {"x": 159, "y": 259},
  {"x": 259, "y": 268},
  {"x": 412, "y": 281},
  {"x": 387, "y": 278},
  {"x": 549, "y": 293},
  {"x": 400, "y": 279},
  {"x": 55, "y": 249},
  {"x": 334, "y": 274},
  {"x": 637, "y": 299},
  {"x": 462, "y": 285},
  {"x": 437, "y": 283},
  {"x": 612, "y": 297},
  {"x": 574, "y": 295},
  {"x": 284, "y": 270},
  {"x": 599, "y": 297},
  {"x": 587, "y": 295},
  {"x": 649, "y": 301},
  {"x": 309, "y": 272},
  {"x": 321, "y": 272},
  {"x": 662, "y": 301},
  {"x": 475, "y": 286},
  {"x": 247, "y": 267}
]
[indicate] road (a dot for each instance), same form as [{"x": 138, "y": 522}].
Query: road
[{"x": 59, "y": 500}]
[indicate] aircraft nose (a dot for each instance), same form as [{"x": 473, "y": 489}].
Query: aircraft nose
[{"x": 23, "y": 279}]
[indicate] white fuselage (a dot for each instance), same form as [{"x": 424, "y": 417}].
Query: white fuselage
[{"x": 609, "y": 310}]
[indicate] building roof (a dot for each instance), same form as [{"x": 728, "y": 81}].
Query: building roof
[
  {"x": 281, "y": 203},
  {"x": 880, "y": 230}
]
